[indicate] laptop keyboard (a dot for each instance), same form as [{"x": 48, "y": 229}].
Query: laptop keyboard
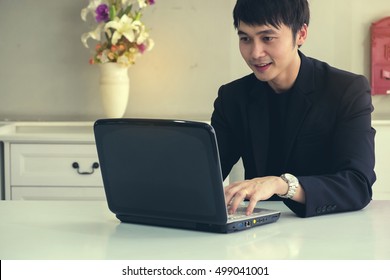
[{"x": 240, "y": 214}]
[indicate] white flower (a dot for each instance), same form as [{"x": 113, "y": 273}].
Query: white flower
[
  {"x": 142, "y": 35},
  {"x": 94, "y": 34},
  {"x": 149, "y": 44},
  {"x": 104, "y": 58},
  {"x": 142, "y": 4},
  {"x": 125, "y": 26},
  {"x": 124, "y": 60}
]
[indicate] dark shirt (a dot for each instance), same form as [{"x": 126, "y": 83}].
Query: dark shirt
[{"x": 277, "y": 108}]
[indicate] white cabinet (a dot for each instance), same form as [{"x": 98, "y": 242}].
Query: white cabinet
[
  {"x": 57, "y": 193},
  {"x": 51, "y": 161},
  {"x": 54, "y": 171},
  {"x": 381, "y": 188},
  {"x": 54, "y": 165},
  {"x": 1, "y": 172}
]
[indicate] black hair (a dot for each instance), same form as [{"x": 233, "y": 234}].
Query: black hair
[{"x": 292, "y": 13}]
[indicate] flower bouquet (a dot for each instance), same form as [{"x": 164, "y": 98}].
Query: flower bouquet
[{"x": 125, "y": 37}]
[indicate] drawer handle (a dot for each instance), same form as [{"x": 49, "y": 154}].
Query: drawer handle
[{"x": 94, "y": 166}]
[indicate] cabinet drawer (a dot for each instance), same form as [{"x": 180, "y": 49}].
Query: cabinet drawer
[
  {"x": 58, "y": 193},
  {"x": 52, "y": 165}
]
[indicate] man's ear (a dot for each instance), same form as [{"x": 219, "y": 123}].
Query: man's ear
[{"x": 302, "y": 35}]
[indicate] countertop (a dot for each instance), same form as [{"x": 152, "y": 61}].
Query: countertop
[{"x": 88, "y": 230}]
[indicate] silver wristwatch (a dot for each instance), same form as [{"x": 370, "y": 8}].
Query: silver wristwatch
[{"x": 292, "y": 183}]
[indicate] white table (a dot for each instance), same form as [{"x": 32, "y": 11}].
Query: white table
[{"x": 88, "y": 230}]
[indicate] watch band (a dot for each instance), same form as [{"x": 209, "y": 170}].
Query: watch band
[{"x": 292, "y": 183}]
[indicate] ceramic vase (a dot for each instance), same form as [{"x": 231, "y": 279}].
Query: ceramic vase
[{"x": 114, "y": 89}]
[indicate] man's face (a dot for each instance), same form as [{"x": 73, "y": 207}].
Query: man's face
[{"x": 272, "y": 53}]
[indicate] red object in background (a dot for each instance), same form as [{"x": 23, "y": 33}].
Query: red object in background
[{"x": 380, "y": 56}]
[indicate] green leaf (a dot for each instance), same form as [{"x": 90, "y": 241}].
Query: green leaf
[
  {"x": 128, "y": 9},
  {"x": 112, "y": 12},
  {"x": 138, "y": 16}
]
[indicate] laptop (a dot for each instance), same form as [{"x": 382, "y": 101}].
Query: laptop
[{"x": 167, "y": 173}]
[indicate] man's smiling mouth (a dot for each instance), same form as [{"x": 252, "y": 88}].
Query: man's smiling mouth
[{"x": 262, "y": 66}]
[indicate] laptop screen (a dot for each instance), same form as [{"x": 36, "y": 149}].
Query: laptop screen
[{"x": 164, "y": 169}]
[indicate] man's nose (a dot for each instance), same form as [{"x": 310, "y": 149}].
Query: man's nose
[{"x": 257, "y": 50}]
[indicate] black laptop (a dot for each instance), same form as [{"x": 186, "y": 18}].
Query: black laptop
[{"x": 167, "y": 173}]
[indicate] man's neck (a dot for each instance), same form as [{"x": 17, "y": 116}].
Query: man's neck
[{"x": 286, "y": 80}]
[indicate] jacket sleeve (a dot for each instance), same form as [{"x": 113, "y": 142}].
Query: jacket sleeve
[
  {"x": 348, "y": 186},
  {"x": 228, "y": 147}
]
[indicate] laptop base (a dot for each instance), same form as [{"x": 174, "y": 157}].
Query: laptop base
[{"x": 226, "y": 228}]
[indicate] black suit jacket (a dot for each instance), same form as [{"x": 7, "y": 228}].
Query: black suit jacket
[{"x": 329, "y": 141}]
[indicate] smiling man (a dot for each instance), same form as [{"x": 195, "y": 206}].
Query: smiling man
[{"x": 302, "y": 128}]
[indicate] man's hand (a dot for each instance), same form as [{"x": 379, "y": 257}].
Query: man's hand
[{"x": 254, "y": 190}]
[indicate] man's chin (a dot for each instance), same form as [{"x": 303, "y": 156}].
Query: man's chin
[{"x": 260, "y": 77}]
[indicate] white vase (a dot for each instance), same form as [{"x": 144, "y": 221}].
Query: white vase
[{"x": 114, "y": 89}]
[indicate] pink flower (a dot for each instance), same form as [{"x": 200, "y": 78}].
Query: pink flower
[{"x": 141, "y": 48}]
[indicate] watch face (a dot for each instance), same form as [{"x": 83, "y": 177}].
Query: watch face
[{"x": 291, "y": 178}]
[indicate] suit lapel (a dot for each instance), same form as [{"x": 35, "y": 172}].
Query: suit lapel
[
  {"x": 297, "y": 111},
  {"x": 299, "y": 104}
]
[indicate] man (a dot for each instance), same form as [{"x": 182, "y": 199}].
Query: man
[{"x": 301, "y": 127}]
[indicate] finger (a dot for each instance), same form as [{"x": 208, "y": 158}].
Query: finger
[
  {"x": 251, "y": 205},
  {"x": 237, "y": 199},
  {"x": 230, "y": 191},
  {"x": 234, "y": 184}
]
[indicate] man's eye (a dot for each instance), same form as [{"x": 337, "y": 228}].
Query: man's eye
[
  {"x": 268, "y": 39},
  {"x": 244, "y": 39}
]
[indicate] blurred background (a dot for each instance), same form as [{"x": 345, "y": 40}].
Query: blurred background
[{"x": 45, "y": 74}]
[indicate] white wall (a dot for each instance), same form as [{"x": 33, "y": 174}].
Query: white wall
[
  {"x": 45, "y": 75},
  {"x": 339, "y": 34}
]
